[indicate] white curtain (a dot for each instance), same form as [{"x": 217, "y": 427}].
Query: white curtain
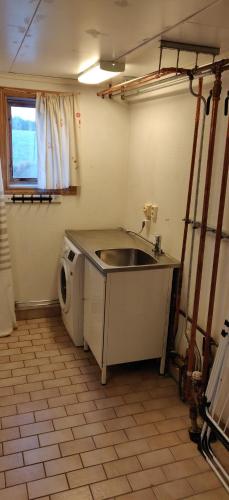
[
  {"x": 56, "y": 123},
  {"x": 7, "y": 312}
]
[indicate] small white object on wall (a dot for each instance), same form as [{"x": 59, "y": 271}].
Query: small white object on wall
[
  {"x": 154, "y": 212},
  {"x": 150, "y": 211},
  {"x": 147, "y": 210}
]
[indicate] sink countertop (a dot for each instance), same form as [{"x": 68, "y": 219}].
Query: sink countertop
[{"x": 88, "y": 241}]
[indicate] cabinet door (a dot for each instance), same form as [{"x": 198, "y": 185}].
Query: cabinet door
[
  {"x": 94, "y": 300},
  {"x": 137, "y": 315}
]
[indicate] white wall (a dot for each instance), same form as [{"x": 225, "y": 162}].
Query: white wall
[
  {"x": 36, "y": 231},
  {"x": 161, "y": 135}
]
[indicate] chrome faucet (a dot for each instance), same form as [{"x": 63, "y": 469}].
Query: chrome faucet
[{"x": 156, "y": 246}]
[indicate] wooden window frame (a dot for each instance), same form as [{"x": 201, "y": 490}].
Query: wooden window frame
[{"x": 5, "y": 145}]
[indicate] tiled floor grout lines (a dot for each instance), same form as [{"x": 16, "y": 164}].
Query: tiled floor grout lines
[{"x": 65, "y": 436}]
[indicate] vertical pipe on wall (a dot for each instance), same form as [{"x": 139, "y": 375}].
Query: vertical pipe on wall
[
  {"x": 188, "y": 205},
  {"x": 215, "y": 103},
  {"x": 222, "y": 198},
  {"x": 196, "y": 199}
]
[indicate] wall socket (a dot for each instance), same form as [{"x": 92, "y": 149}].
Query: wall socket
[
  {"x": 154, "y": 211},
  {"x": 150, "y": 211},
  {"x": 147, "y": 210}
]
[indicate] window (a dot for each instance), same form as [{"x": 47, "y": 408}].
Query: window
[
  {"x": 22, "y": 142},
  {"x": 20, "y": 139},
  {"x": 18, "y": 146}
]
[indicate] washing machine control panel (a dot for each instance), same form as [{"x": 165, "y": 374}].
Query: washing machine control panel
[{"x": 71, "y": 255}]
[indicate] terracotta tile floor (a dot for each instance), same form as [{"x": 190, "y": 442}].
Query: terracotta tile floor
[{"x": 66, "y": 437}]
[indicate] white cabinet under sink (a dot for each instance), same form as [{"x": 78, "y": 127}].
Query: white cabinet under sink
[{"x": 126, "y": 315}]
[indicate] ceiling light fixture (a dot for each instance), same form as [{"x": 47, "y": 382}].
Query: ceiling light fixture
[{"x": 101, "y": 71}]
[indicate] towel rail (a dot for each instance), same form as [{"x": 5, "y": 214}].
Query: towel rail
[{"x": 39, "y": 198}]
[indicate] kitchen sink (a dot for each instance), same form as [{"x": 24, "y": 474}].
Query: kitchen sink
[{"x": 125, "y": 257}]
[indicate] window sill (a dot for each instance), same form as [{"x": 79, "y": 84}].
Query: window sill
[{"x": 23, "y": 190}]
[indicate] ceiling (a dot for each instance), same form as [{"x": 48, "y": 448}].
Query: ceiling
[{"x": 59, "y": 38}]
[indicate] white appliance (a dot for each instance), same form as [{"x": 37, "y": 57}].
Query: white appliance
[{"x": 70, "y": 290}]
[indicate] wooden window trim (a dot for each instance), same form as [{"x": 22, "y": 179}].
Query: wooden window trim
[
  {"x": 68, "y": 191},
  {"x": 5, "y": 156}
]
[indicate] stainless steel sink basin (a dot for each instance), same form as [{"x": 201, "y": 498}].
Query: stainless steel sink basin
[{"x": 125, "y": 257}]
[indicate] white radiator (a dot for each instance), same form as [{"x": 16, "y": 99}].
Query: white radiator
[{"x": 215, "y": 433}]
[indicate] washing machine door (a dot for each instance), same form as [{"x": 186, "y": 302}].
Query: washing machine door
[{"x": 64, "y": 289}]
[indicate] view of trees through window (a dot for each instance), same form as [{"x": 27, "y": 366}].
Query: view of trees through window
[{"x": 24, "y": 142}]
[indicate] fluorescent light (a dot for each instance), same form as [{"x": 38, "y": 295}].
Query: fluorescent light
[{"x": 101, "y": 71}]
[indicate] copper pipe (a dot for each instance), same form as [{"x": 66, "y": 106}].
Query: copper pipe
[
  {"x": 215, "y": 102},
  {"x": 214, "y": 67},
  {"x": 135, "y": 83},
  {"x": 131, "y": 84},
  {"x": 218, "y": 238},
  {"x": 187, "y": 214},
  {"x": 146, "y": 82},
  {"x": 199, "y": 328}
]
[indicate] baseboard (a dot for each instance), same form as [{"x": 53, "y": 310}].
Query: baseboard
[{"x": 33, "y": 309}]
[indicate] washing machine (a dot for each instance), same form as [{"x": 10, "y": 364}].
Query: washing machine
[{"x": 70, "y": 290}]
